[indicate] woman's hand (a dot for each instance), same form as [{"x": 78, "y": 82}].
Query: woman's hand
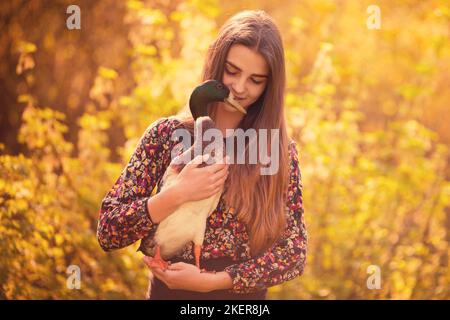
[
  {"x": 195, "y": 183},
  {"x": 182, "y": 276}
]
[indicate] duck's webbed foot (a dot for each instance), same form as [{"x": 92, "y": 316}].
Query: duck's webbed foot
[{"x": 158, "y": 261}]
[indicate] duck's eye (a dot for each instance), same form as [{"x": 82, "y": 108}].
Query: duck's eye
[{"x": 219, "y": 86}]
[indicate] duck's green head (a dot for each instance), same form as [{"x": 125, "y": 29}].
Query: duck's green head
[{"x": 210, "y": 91}]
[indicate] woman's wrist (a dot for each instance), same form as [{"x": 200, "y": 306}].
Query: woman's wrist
[
  {"x": 164, "y": 203},
  {"x": 177, "y": 195},
  {"x": 220, "y": 281}
]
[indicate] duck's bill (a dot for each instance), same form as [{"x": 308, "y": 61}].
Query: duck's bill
[{"x": 230, "y": 100}]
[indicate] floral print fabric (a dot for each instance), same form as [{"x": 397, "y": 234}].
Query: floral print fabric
[{"x": 124, "y": 218}]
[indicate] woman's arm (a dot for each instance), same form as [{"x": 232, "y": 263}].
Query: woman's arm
[
  {"x": 124, "y": 215},
  {"x": 191, "y": 184},
  {"x": 164, "y": 203},
  {"x": 286, "y": 259},
  {"x": 220, "y": 281},
  {"x": 185, "y": 276}
]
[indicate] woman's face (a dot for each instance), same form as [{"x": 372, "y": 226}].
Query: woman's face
[{"x": 246, "y": 74}]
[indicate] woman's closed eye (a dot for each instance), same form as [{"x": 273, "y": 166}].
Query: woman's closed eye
[
  {"x": 228, "y": 71},
  {"x": 256, "y": 82}
]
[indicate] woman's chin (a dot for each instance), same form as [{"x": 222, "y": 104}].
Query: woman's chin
[{"x": 231, "y": 109}]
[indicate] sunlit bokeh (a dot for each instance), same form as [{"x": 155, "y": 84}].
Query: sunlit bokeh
[{"x": 368, "y": 108}]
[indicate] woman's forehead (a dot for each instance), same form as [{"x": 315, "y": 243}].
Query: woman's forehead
[{"x": 247, "y": 60}]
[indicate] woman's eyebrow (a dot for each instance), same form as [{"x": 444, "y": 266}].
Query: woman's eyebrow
[{"x": 255, "y": 75}]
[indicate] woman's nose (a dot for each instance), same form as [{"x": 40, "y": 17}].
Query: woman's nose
[{"x": 239, "y": 86}]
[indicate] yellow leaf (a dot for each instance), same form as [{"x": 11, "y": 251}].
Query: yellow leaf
[
  {"x": 26, "y": 47},
  {"x": 107, "y": 73},
  {"x": 59, "y": 239}
]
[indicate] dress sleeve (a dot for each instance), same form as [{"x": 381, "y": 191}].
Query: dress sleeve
[
  {"x": 124, "y": 216},
  {"x": 286, "y": 259}
]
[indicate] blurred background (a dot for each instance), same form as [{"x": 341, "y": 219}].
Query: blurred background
[{"x": 368, "y": 108}]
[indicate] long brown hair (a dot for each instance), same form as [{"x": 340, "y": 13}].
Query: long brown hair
[{"x": 258, "y": 200}]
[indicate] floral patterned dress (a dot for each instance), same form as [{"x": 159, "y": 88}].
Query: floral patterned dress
[{"x": 124, "y": 219}]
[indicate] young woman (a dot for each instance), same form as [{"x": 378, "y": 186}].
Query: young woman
[{"x": 256, "y": 237}]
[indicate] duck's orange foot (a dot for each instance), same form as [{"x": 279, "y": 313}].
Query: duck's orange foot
[
  {"x": 156, "y": 263},
  {"x": 159, "y": 263}
]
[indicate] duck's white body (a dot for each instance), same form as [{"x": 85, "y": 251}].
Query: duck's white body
[{"x": 186, "y": 224}]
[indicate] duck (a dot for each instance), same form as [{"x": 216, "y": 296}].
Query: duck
[
  {"x": 188, "y": 222},
  {"x": 211, "y": 91}
]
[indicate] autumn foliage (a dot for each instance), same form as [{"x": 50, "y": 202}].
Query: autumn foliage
[{"x": 367, "y": 108}]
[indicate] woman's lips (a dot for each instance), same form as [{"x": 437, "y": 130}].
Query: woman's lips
[
  {"x": 231, "y": 100},
  {"x": 236, "y": 97}
]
